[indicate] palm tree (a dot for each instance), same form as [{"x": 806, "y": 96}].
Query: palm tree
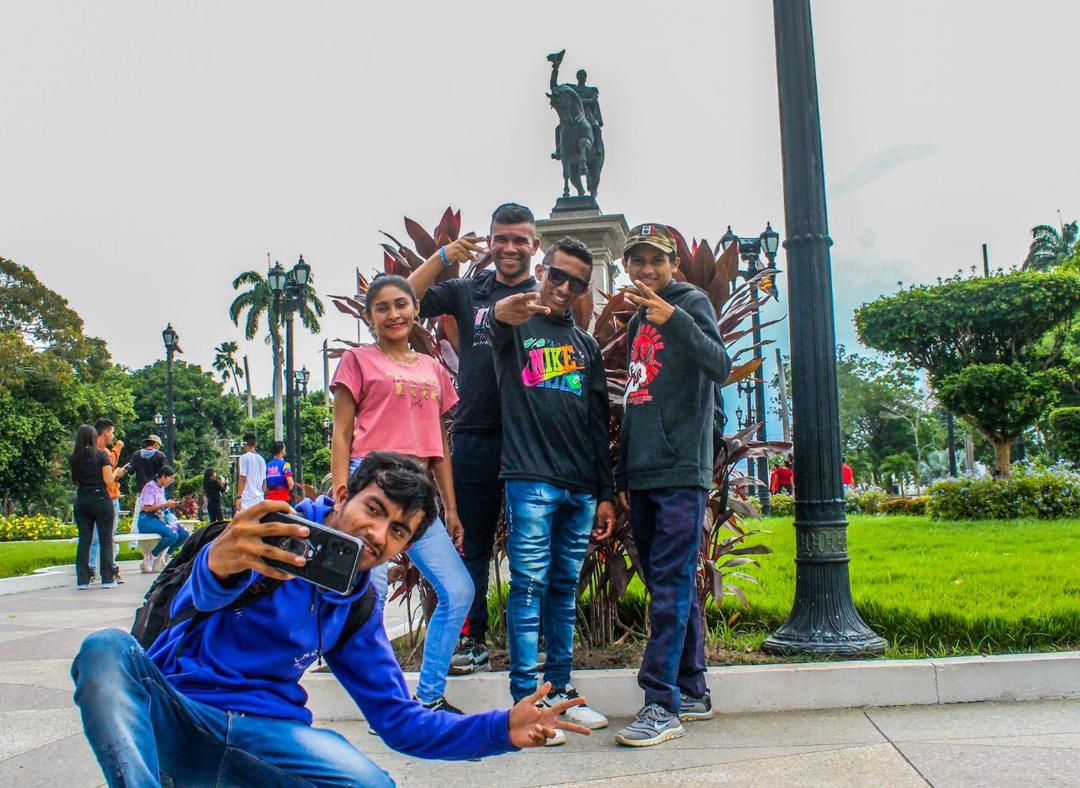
[
  {"x": 1050, "y": 247},
  {"x": 225, "y": 364},
  {"x": 258, "y": 302}
]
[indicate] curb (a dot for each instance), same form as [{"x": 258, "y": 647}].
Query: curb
[
  {"x": 740, "y": 689},
  {"x": 50, "y": 577}
]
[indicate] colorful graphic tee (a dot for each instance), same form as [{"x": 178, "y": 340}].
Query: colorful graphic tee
[
  {"x": 278, "y": 472},
  {"x": 553, "y": 366}
]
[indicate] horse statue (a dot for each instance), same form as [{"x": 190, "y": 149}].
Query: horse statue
[{"x": 576, "y": 145}]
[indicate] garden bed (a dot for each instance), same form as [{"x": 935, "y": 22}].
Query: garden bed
[{"x": 22, "y": 558}]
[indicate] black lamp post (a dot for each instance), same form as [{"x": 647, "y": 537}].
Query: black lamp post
[
  {"x": 290, "y": 296},
  {"x": 823, "y": 620},
  {"x": 328, "y": 429},
  {"x": 277, "y": 277},
  {"x": 750, "y": 250},
  {"x": 302, "y": 376},
  {"x": 172, "y": 345}
]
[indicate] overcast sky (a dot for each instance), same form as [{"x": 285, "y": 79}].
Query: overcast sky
[{"x": 151, "y": 151}]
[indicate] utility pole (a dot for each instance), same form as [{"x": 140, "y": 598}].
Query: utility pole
[{"x": 785, "y": 416}]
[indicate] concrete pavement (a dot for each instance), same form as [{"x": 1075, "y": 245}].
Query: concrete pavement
[{"x": 985, "y": 744}]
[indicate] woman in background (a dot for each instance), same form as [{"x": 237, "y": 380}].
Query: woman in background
[
  {"x": 91, "y": 471},
  {"x": 213, "y": 487}
]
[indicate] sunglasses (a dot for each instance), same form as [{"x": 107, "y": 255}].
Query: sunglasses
[{"x": 577, "y": 284}]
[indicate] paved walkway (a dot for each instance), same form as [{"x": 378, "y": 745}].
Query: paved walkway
[{"x": 979, "y": 744}]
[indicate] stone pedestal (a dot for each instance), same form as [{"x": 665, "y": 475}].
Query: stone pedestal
[{"x": 604, "y": 234}]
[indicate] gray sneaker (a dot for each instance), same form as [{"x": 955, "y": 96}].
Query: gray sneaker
[
  {"x": 654, "y": 724},
  {"x": 691, "y": 708}
]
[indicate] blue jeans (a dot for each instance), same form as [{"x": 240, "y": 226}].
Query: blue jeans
[
  {"x": 95, "y": 544},
  {"x": 437, "y": 559},
  {"x": 548, "y": 534},
  {"x": 170, "y": 539},
  {"x": 139, "y": 726}
]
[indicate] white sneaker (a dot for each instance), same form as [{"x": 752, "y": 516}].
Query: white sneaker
[
  {"x": 582, "y": 715},
  {"x": 557, "y": 739}
]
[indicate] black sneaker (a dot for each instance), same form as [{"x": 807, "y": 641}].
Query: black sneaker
[
  {"x": 116, "y": 574},
  {"x": 470, "y": 656},
  {"x": 442, "y": 704},
  {"x": 691, "y": 708}
]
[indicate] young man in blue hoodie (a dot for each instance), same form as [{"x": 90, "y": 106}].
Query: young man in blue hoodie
[
  {"x": 217, "y": 701},
  {"x": 665, "y": 471}
]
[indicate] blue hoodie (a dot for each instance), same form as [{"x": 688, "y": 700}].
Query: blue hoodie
[{"x": 251, "y": 660}]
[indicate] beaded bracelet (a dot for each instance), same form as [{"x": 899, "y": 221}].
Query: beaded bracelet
[{"x": 442, "y": 256}]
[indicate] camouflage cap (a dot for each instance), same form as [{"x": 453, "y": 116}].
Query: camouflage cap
[{"x": 657, "y": 235}]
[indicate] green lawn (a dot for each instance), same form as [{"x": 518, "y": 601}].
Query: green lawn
[
  {"x": 939, "y": 588},
  {"x": 22, "y": 558}
]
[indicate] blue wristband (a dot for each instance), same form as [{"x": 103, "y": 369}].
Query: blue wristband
[{"x": 442, "y": 256}]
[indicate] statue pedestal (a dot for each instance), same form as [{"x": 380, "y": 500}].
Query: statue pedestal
[{"x": 604, "y": 234}]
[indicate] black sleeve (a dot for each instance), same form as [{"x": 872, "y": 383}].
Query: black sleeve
[
  {"x": 599, "y": 422},
  {"x": 694, "y": 329},
  {"x": 443, "y": 298},
  {"x": 501, "y": 333},
  {"x": 103, "y": 459}
]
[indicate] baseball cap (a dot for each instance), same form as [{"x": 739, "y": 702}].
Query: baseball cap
[
  {"x": 152, "y": 439},
  {"x": 656, "y": 235}
]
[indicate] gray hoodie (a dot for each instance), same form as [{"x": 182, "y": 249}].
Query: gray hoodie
[{"x": 673, "y": 372}]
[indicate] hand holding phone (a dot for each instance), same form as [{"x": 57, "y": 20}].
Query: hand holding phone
[{"x": 331, "y": 557}]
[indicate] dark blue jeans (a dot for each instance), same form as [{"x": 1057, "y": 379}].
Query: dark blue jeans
[
  {"x": 666, "y": 524},
  {"x": 139, "y": 726},
  {"x": 475, "y": 458},
  {"x": 549, "y": 533}
]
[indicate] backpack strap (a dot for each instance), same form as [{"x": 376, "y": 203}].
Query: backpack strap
[
  {"x": 254, "y": 592},
  {"x": 359, "y": 614}
]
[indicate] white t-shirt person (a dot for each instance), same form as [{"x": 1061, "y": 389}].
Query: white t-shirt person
[{"x": 253, "y": 471}]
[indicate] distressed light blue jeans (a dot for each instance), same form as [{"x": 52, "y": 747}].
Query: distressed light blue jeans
[
  {"x": 548, "y": 534},
  {"x": 139, "y": 726},
  {"x": 437, "y": 559}
]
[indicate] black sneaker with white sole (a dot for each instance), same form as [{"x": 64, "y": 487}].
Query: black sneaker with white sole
[
  {"x": 691, "y": 708},
  {"x": 442, "y": 704},
  {"x": 469, "y": 657}
]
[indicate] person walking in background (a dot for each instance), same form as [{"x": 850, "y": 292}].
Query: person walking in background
[
  {"x": 782, "y": 479},
  {"x": 556, "y": 465},
  {"x": 105, "y": 434},
  {"x": 477, "y": 437},
  {"x": 152, "y": 508},
  {"x": 213, "y": 488},
  {"x": 91, "y": 471},
  {"x": 848, "y": 477},
  {"x": 665, "y": 472},
  {"x": 387, "y": 397},
  {"x": 279, "y": 475},
  {"x": 249, "y": 490}
]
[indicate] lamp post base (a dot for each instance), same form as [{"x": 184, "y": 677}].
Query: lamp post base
[{"x": 823, "y": 620}]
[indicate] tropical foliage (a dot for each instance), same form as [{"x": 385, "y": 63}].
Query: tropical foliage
[
  {"x": 1050, "y": 247},
  {"x": 993, "y": 347}
]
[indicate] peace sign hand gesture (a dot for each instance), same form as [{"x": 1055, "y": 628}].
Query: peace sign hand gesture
[
  {"x": 516, "y": 309},
  {"x": 657, "y": 310},
  {"x": 531, "y": 725}
]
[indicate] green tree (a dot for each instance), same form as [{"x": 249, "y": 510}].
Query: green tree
[
  {"x": 205, "y": 417},
  {"x": 896, "y": 468},
  {"x": 974, "y": 337},
  {"x": 226, "y": 366},
  {"x": 1051, "y": 247},
  {"x": 313, "y": 445},
  {"x": 259, "y": 304}
]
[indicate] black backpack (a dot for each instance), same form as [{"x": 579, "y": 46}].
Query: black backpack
[{"x": 153, "y": 617}]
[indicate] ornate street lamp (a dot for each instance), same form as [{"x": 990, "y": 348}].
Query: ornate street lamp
[
  {"x": 172, "y": 345},
  {"x": 328, "y": 429},
  {"x": 823, "y": 620},
  {"x": 296, "y": 282}
]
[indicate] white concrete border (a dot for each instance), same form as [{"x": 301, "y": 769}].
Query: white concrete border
[
  {"x": 781, "y": 687},
  {"x": 50, "y": 577}
]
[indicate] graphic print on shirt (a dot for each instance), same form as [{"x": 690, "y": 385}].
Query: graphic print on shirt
[
  {"x": 416, "y": 390},
  {"x": 479, "y": 329},
  {"x": 644, "y": 365},
  {"x": 552, "y": 366}
]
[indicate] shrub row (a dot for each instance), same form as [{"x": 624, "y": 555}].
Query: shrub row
[
  {"x": 31, "y": 528},
  {"x": 1042, "y": 495},
  {"x": 858, "y": 502}
]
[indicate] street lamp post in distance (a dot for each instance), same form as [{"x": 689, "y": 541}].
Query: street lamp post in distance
[{"x": 172, "y": 345}]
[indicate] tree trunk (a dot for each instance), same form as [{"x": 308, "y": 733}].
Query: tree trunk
[
  {"x": 1002, "y": 452},
  {"x": 247, "y": 383}
]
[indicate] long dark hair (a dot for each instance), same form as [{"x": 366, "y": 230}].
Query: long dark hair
[
  {"x": 85, "y": 445},
  {"x": 207, "y": 476}
]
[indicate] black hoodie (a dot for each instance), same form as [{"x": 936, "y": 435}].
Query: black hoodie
[
  {"x": 673, "y": 372},
  {"x": 469, "y": 301},
  {"x": 554, "y": 400}
]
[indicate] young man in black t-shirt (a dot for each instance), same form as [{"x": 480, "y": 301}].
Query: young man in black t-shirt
[
  {"x": 556, "y": 464},
  {"x": 476, "y": 443}
]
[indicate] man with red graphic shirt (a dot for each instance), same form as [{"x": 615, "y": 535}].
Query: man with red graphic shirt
[{"x": 664, "y": 473}]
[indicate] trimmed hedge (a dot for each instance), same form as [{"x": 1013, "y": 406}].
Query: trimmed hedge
[
  {"x": 858, "y": 502},
  {"x": 1041, "y": 495},
  {"x": 916, "y": 506}
]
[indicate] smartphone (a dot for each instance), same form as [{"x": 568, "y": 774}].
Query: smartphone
[{"x": 333, "y": 556}]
